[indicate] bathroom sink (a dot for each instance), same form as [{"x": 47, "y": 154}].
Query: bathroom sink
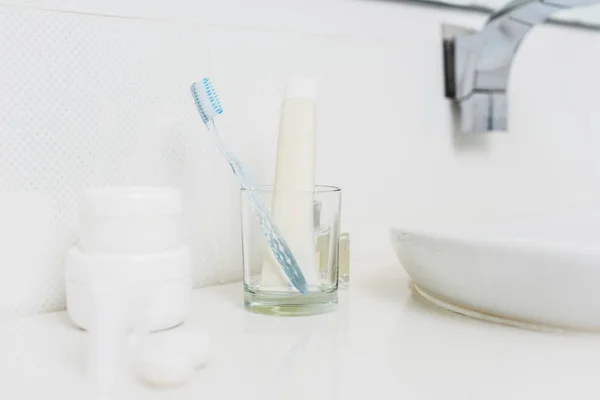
[{"x": 539, "y": 274}]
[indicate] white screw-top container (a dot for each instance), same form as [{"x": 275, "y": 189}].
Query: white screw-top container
[{"x": 129, "y": 237}]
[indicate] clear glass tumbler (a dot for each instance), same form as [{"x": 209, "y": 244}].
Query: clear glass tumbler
[{"x": 310, "y": 224}]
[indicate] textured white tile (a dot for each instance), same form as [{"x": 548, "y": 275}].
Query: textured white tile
[
  {"x": 101, "y": 101},
  {"x": 357, "y": 18}
]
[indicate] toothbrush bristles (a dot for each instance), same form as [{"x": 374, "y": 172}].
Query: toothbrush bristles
[{"x": 206, "y": 99}]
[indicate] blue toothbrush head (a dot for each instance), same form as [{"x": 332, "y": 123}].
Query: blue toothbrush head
[{"x": 206, "y": 99}]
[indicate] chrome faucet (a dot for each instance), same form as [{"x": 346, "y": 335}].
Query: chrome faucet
[{"x": 477, "y": 64}]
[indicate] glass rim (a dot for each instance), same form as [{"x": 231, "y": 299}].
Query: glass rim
[{"x": 316, "y": 189}]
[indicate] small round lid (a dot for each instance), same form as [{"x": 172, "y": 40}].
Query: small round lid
[
  {"x": 131, "y": 201},
  {"x": 169, "y": 358}
]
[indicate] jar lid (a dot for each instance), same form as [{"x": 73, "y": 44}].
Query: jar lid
[
  {"x": 131, "y": 201},
  {"x": 125, "y": 269}
]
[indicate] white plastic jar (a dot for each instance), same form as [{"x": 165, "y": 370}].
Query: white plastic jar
[{"x": 129, "y": 238}]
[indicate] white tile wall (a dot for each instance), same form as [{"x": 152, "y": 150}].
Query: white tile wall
[{"x": 385, "y": 130}]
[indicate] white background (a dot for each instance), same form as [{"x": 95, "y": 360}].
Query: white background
[{"x": 385, "y": 130}]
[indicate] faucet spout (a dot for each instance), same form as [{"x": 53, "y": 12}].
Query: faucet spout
[{"x": 477, "y": 63}]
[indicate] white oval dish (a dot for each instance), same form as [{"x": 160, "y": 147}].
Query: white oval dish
[{"x": 542, "y": 273}]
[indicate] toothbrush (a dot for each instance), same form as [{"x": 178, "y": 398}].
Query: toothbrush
[{"x": 209, "y": 107}]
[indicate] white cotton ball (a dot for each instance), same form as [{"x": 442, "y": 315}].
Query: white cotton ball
[
  {"x": 170, "y": 358},
  {"x": 199, "y": 349}
]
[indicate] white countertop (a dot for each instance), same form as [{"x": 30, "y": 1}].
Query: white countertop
[{"x": 383, "y": 342}]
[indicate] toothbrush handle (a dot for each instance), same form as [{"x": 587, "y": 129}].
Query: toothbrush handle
[
  {"x": 277, "y": 243},
  {"x": 243, "y": 174}
]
